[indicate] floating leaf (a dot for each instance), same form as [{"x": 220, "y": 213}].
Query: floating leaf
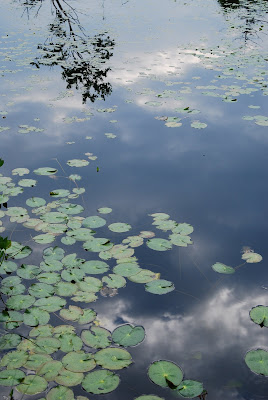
[
  {"x": 77, "y": 163},
  {"x": 20, "y": 302},
  {"x": 68, "y": 378},
  {"x": 161, "y": 371},
  {"x": 144, "y": 276},
  {"x": 257, "y": 361},
  {"x": 49, "y": 370},
  {"x": 14, "y": 359},
  {"x": 9, "y": 341},
  {"x": 104, "y": 210},
  {"x": 60, "y": 393},
  {"x": 35, "y": 202},
  {"x": 69, "y": 208},
  {"x": 159, "y": 244},
  {"x": 54, "y": 217},
  {"x": 259, "y": 315},
  {"x": 11, "y": 377},
  {"x": 60, "y": 193},
  {"x": 94, "y": 222},
  {"x": 70, "y": 342},
  {"x": 114, "y": 281},
  {"x": 128, "y": 335},
  {"x": 66, "y": 289},
  {"x": 20, "y": 171},
  {"x": 100, "y": 382},
  {"x": 95, "y": 267},
  {"x": 79, "y": 361},
  {"x": 41, "y": 290},
  {"x": 51, "y": 304},
  {"x": 32, "y": 384},
  {"x": 119, "y": 227},
  {"x": 34, "y": 316},
  {"x": 47, "y": 345},
  {"x": 250, "y": 257},
  {"x": 36, "y": 360},
  {"x": 28, "y": 271},
  {"x": 180, "y": 240},
  {"x": 222, "y": 268},
  {"x": 159, "y": 286},
  {"x": 97, "y": 338},
  {"x": 126, "y": 269},
  {"x": 97, "y": 245},
  {"x": 198, "y": 125},
  {"x": 113, "y": 358},
  {"x": 190, "y": 389},
  {"x": 45, "y": 171},
  {"x": 27, "y": 182}
]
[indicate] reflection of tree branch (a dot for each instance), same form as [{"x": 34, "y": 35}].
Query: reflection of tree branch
[{"x": 81, "y": 58}]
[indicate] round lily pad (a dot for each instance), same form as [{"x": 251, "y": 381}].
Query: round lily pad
[
  {"x": 159, "y": 244},
  {"x": 94, "y": 222},
  {"x": 159, "y": 286},
  {"x": 46, "y": 345},
  {"x": 183, "y": 229},
  {"x": 45, "y": 171},
  {"x": 27, "y": 182},
  {"x": 180, "y": 240},
  {"x": 95, "y": 267},
  {"x": 11, "y": 377},
  {"x": 9, "y": 341},
  {"x": 68, "y": 241},
  {"x": 114, "y": 281},
  {"x": 70, "y": 342},
  {"x": 119, "y": 227},
  {"x": 41, "y": 290},
  {"x": 77, "y": 163},
  {"x": 259, "y": 315},
  {"x": 69, "y": 208},
  {"x": 251, "y": 257},
  {"x": 32, "y": 384},
  {"x": 97, "y": 337},
  {"x": 97, "y": 245},
  {"x": 35, "y": 202},
  {"x": 104, "y": 210},
  {"x": 128, "y": 335},
  {"x": 257, "y": 361},
  {"x": 44, "y": 238},
  {"x": 190, "y": 389},
  {"x": 144, "y": 276},
  {"x": 35, "y": 316},
  {"x": 126, "y": 269},
  {"x": 69, "y": 378},
  {"x": 49, "y": 370},
  {"x": 36, "y": 360},
  {"x": 79, "y": 361},
  {"x": 162, "y": 372},
  {"x": 28, "y": 271},
  {"x": 54, "y": 217},
  {"x": 20, "y": 302},
  {"x": 100, "y": 382},
  {"x": 113, "y": 358},
  {"x": 60, "y": 393},
  {"x": 14, "y": 359},
  {"x": 51, "y": 304},
  {"x": 222, "y": 268}
]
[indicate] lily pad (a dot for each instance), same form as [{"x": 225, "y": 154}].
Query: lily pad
[
  {"x": 36, "y": 360},
  {"x": 14, "y": 359},
  {"x": 45, "y": 171},
  {"x": 104, "y": 210},
  {"x": 49, "y": 370},
  {"x": 51, "y": 304},
  {"x": 70, "y": 342},
  {"x": 97, "y": 338},
  {"x": 69, "y": 208},
  {"x": 20, "y": 302},
  {"x": 144, "y": 276},
  {"x": 259, "y": 315},
  {"x": 222, "y": 268},
  {"x": 128, "y": 335},
  {"x": 27, "y": 271},
  {"x": 11, "y": 377},
  {"x": 68, "y": 378},
  {"x": 9, "y": 341},
  {"x": 32, "y": 384},
  {"x": 159, "y": 286},
  {"x": 159, "y": 244},
  {"x": 113, "y": 358},
  {"x": 77, "y": 163},
  {"x": 95, "y": 267},
  {"x": 79, "y": 361},
  {"x": 257, "y": 361},
  {"x": 34, "y": 316},
  {"x": 114, "y": 281},
  {"x": 94, "y": 222},
  {"x": 251, "y": 257},
  {"x": 162, "y": 372},
  {"x": 27, "y": 182},
  {"x": 35, "y": 202},
  {"x": 190, "y": 389},
  {"x": 100, "y": 382},
  {"x": 127, "y": 269},
  {"x": 60, "y": 393},
  {"x": 149, "y": 397},
  {"x": 119, "y": 227}
]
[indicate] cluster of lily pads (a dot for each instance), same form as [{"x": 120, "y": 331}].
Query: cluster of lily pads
[{"x": 249, "y": 256}]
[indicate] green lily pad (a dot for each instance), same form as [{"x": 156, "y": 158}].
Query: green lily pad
[
  {"x": 114, "y": 281},
  {"x": 162, "y": 371},
  {"x": 159, "y": 244},
  {"x": 71, "y": 314},
  {"x": 160, "y": 286},
  {"x": 128, "y": 335},
  {"x": 94, "y": 222},
  {"x": 54, "y": 217},
  {"x": 119, "y": 227},
  {"x": 90, "y": 284},
  {"x": 259, "y": 315},
  {"x": 27, "y": 271},
  {"x": 14, "y": 359},
  {"x": 190, "y": 389},
  {"x": 51, "y": 304},
  {"x": 11, "y": 319},
  {"x": 104, "y": 210},
  {"x": 45, "y": 171},
  {"x": 100, "y": 382},
  {"x": 20, "y": 302},
  {"x": 68, "y": 241},
  {"x": 60, "y": 393},
  {"x": 79, "y": 361},
  {"x": 49, "y": 277},
  {"x": 13, "y": 290},
  {"x": 34, "y": 316},
  {"x": 70, "y": 342},
  {"x": 113, "y": 358},
  {"x": 53, "y": 253},
  {"x": 68, "y": 378},
  {"x": 11, "y": 281},
  {"x": 95, "y": 267},
  {"x": 198, "y": 125},
  {"x": 127, "y": 269},
  {"x": 20, "y": 171},
  {"x": 69, "y": 208},
  {"x": 97, "y": 338},
  {"x": 97, "y": 245},
  {"x": 41, "y": 330},
  {"x": 51, "y": 265},
  {"x": 251, "y": 257},
  {"x": 222, "y": 268},
  {"x": 9, "y": 341},
  {"x": 73, "y": 274},
  {"x": 59, "y": 193},
  {"x": 11, "y": 377},
  {"x": 41, "y": 290},
  {"x": 160, "y": 216},
  {"x": 18, "y": 251},
  {"x": 66, "y": 289},
  {"x": 8, "y": 266},
  {"x": 84, "y": 297},
  {"x": 36, "y": 360},
  {"x": 77, "y": 163},
  {"x": 49, "y": 370},
  {"x": 257, "y": 361},
  {"x": 35, "y": 202},
  {"x": 32, "y": 384},
  {"x": 133, "y": 241},
  {"x": 47, "y": 345},
  {"x": 144, "y": 276},
  {"x": 180, "y": 240},
  {"x": 81, "y": 234},
  {"x": 88, "y": 316},
  {"x": 27, "y": 182}
]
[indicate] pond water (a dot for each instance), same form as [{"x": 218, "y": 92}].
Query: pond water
[{"x": 152, "y": 115}]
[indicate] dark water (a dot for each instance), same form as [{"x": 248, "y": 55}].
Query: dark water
[{"x": 214, "y": 178}]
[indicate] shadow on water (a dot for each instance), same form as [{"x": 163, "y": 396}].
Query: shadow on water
[{"x": 82, "y": 58}]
